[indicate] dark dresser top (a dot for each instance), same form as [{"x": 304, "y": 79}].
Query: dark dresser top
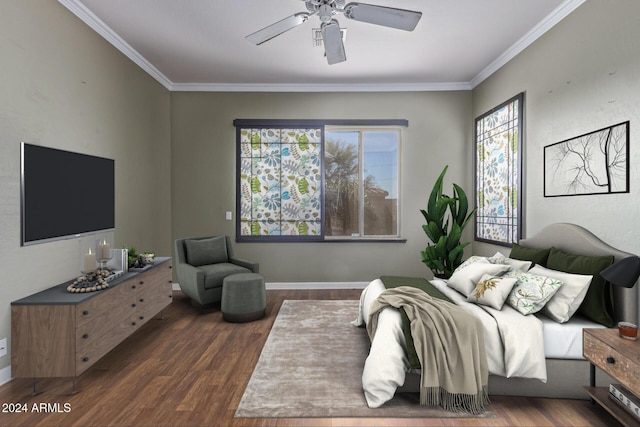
[{"x": 58, "y": 295}]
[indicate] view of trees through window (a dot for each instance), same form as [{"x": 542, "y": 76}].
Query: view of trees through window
[{"x": 361, "y": 183}]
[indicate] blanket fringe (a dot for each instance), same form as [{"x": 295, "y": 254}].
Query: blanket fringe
[{"x": 471, "y": 403}]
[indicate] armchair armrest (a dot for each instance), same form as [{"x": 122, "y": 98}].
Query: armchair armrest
[
  {"x": 190, "y": 279},
  {"x": 251, "y": 265}
]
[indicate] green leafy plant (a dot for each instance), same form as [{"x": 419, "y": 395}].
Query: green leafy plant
[
  {"x": 446, "y": 218},
  {"x": 132, "y": 256}
]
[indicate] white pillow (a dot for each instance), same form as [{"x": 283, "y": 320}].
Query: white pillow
[
  {"x": 471, "y": 260},
  {"x": 500, "y": 258},
  {"x": 531, "y": 291},
  {"x": 567, "y": 300},
  {"x": 492, "y": 291},
  {"x": 465, "y": 280}
]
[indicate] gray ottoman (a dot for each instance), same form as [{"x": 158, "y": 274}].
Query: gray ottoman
[{"x": 243, "y": 297}]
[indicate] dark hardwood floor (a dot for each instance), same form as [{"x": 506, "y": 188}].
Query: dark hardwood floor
[{"x": 191, "y": 368}]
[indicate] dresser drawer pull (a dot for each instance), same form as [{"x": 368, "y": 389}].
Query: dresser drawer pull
[
  {"x": 85, "y": 359},
  {"x": 142, "y": 282},
  {"x": 133, "y": 305},
  {"x": 133, "y": 286},
  {"x": 611, "y": 360},
  {"x": 85, "y": 313},
  {"x": 133, "y": 323},
  {"x": 85, "y": 336},
  {"x": 141, "y": 317},
  {"x": 141, "y": 299}
]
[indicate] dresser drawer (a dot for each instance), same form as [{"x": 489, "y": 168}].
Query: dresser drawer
[
  {"x": 88, "y": 332},
  {"x": 614, "y": 363},
  {"x": 160, "y": 273},
  {"x": 153, "y": 300},
  {"x": 92, "y": 351},
  {"x": 152, "y": 306},
  {"x": 106, "y": 300}
]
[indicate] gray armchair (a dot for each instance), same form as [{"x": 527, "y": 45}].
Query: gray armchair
[{"x": 203, "y": 262}]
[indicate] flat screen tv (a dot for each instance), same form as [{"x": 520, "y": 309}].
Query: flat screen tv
[{"x": 64, "y": 194}]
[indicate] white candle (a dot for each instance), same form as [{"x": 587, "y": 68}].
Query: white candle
[
  {"x": 89, "y": 262},
  {"x": 105, "y": 250}
]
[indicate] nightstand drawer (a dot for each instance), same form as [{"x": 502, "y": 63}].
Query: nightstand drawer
[{"x": 614, "y": 363}]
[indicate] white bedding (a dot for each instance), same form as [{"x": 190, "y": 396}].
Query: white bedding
[
  {"x": 564, "y": 340},
  {"x": 515, "y": 344}
]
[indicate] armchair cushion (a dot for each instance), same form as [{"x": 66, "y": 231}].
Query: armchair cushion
[
  {"x": 206, "y": 251},
  {"x": 215, "y": 273}
]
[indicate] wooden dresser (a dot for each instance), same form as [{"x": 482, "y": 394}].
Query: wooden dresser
[
  {"x": 617, "y": 357},
  {"x": 55, "y": 333}
]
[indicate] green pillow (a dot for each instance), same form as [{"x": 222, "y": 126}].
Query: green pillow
[
  {"x": 537, "y": 256},
  {"x": 212, "y": 250},
  {"x": 598, "y": 303}
]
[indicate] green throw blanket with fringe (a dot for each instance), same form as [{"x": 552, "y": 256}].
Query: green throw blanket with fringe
[
  {"x": 454, "y": 364},
  {"x": 414, "y": 282}
]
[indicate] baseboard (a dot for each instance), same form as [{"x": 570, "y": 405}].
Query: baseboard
[
  {"x": 5, "y": 375},
  {"x": 305, "y": 285}
]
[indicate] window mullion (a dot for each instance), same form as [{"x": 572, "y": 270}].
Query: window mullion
[{"x": 361, "y": 183}]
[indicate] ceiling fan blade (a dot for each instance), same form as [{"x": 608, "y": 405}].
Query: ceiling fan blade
[
  {"x": 278, "y": 28},
  {"x": 332, "y": 39},
  {"x": 401, "y": 19}
]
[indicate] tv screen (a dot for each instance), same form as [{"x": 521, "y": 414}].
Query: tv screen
[{"x": 65, "y": 194}]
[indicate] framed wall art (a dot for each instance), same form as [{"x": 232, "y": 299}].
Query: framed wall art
[{"x": 593, "y": 163}]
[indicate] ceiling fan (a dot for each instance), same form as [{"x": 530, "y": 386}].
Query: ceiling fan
[{"x": 331, "y": 36}]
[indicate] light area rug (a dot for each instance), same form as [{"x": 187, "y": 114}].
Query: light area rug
[{"x": 311, "y": 366}]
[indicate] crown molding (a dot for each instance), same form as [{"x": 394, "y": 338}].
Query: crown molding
[
  {"x": 543, "y": 26},
  {"x": 96, "y": 24},
  {"x": 258, "y": 87}
]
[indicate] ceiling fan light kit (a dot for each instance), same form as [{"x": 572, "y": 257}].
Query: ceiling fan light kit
[
  {"x": 330, "y": 28},
  {"x": 333, "y": 46}
]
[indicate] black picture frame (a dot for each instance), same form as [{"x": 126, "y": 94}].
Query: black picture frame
[{"x": 596, "y": 162}]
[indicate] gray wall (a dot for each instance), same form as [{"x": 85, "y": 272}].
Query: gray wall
[
  {"x": 64, "y": 86},
  {"x": 579, "y": 77},
  {"x": 204, "y": 158}
]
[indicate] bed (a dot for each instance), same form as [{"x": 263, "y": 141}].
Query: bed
[{"x": 550, "y": 364}]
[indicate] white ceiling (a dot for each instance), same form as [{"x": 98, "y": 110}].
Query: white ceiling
[{"x": 200, "y": 44}]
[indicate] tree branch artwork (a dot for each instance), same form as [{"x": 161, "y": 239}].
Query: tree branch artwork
[{"x": 593, "y": 163}]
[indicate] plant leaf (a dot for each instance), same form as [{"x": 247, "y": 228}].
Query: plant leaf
[
  {"x": 463, "y": 204},
  {"x": 436, "y": 192}
]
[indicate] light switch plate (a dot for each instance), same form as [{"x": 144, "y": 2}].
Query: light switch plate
[
  {"x": 228, "y": 215},
  {"x": 3, "y": 347}
]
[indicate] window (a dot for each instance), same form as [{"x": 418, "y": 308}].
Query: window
[
  {"x": 361, "y": 182},
  {"x": 316, "y": 180},
  {"x": 498, "y": 154}
]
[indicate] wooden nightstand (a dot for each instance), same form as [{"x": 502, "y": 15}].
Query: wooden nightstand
[{"x": 617, "y": 357}]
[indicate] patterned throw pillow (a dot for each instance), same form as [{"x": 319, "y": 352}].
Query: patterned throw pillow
[
  {"x": 492, "y": 291},
  {"x": 531, "y": 292},
  {"x": 466, "y": 279}
]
